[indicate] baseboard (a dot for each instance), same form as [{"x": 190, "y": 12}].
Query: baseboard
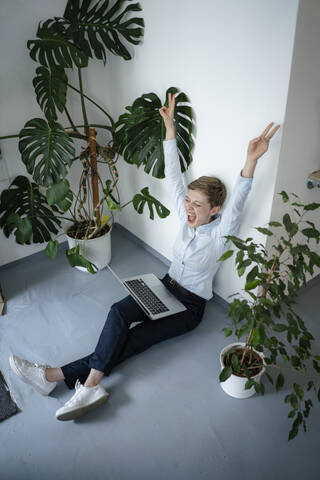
[
  {"x": 131, "y": 236},
  {"x": 63, "y": 245}
]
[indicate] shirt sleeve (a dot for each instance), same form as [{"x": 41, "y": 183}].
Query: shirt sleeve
[
  {"x": 230, "y": 218},
  {"x": 174, "y": 177}
]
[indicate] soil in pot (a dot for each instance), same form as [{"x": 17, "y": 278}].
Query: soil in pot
[
  {"x": 81, "y": 230},
  {"x": 252, "y": 361}
]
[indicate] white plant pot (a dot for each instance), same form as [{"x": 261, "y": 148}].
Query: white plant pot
[
  {"x": 234, "y": 385},
  {"x": 96, "y": 250}
]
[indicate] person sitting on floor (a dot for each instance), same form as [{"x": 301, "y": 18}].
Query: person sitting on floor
[{"x": 198, "y": 246}]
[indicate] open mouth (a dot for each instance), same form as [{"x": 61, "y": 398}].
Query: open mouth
[{"x": 191, "y": 218}]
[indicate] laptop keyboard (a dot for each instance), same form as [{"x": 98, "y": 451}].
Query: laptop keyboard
[{"x": 146, "y": 296}]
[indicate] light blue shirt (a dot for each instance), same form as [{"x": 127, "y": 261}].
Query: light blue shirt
[{"x": 196, "y": 250}]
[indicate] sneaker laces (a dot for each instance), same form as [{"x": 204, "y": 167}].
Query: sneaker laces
[
  {"x": 40, "y": 365},
  {"x": 78, "y": 387}
]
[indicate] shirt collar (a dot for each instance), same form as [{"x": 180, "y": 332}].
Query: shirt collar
[{"x": 203, "y": 229}]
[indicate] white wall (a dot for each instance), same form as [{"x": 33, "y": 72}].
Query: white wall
[
  {"x": 18, "y": 24},
  {"x": 232, "y": 58},
  {"x": 300, "y": 148}
]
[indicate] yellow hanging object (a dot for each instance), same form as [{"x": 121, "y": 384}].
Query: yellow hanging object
[{"x": 104, "y": 219}]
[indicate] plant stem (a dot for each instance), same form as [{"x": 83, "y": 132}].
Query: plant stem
[
  {"x": 91, "y": 125},
  {"x": 70, "y": 119},
  {"x": 94, "y": 103},
  {"x": 75, "y": 134},
  {"x": 94, "y": 171},
  {"x": 246, "y": 347},
  {"x": 56, "y": 216},
  {"x": 126, "y": 204},
  {"x": 9, "y": 136},
  {"x": 84, "y": 113}
]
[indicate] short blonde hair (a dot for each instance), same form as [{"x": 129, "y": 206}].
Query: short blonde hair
[{"x": 212, "y": 187}]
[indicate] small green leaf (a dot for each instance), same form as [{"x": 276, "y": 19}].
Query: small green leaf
[
  {"x": 52, "y": 249},
  {"x": 226, "y": 255},
  {"x": 75, "y": 259},
  {"x": 227, "y": 331},
  {"x": 316, "y": 366},
  {"x": 285, "y": 197},
  {"x": 239, "y": 256},
  {"x": 256, "y": 337},
  {"x": 291, "y": 413},
  {"x": 311, "y": 206},
  {"x": 57, "y": 192},
  {"x": 310, "y": 385},
  {"x": 280, "y": 381},
  {"x": 225, "y": 374},
  {"x": 241, "y": 271},
  {"x": 265, "y": 231},
  {"x": 252, "y": 274},
  {"x": 287, "y": 222},
  {"x": 275, "y": 224},
  {"x": 235, "y": 363},
  {"x": 252, "y": 285},
  {"x": 140, "y": 199},
  {"x": 259, "y": 387},
  {"x": 266, "y": 301},
  {"x": 310, "y": 232},
  {"x": 294, "y": 401},
  {"x": 269, "y": 377},
  {"x": 249, "y": 384},
  {"x": 23, "y": 227},
  {"x": 279, "y": 327},
  {"x": 112, "y": 205},
  {"x": 298, "y": 390},
  {"x": 293, "y": 432}
]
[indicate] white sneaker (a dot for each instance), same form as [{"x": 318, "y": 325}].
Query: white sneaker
[
  {"x": 84, "y": 400},
  {"x": 32, "y": 373}
]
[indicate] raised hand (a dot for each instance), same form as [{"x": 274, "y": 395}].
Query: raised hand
[
  {"x": 167, "y": 113},
  {"x": 258, "y": 146}
]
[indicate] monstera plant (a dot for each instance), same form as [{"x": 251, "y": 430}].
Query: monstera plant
[{"x": 32, "y": 208}]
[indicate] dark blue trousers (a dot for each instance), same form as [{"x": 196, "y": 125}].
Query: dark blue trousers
[{"x": 118, "y": 341}]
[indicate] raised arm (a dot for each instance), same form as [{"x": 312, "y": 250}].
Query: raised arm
[
  {"x": 167, "y": 114},
  {"x": 256, "y": 148},
  {"x": 171, "y": 159},
  {"x": 230, "y": 221}
]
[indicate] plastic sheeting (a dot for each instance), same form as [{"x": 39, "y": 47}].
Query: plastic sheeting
[{"x": 167, "y": 417}]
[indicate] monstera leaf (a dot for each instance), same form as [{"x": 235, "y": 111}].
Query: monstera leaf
[
  {"x": 46, "y": 150},
  {"x": 24, "y": 211},
  {"x": 139, "y": 202},
  {"x": 75, "y": 259},
  {"x": 60, "y": 195},
  {"x": 95, "y": 27},
  {"x": 51, "y": 90},
  {"x": 53, "y": 50},
  {"x": 139, "y": 133}
]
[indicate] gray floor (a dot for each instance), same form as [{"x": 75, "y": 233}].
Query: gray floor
[{"x": 167, "y": 416}]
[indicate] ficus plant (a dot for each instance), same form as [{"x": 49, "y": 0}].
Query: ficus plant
[
  {"x": 32, "y": 207},
  {"x": 268, "y": 319}
]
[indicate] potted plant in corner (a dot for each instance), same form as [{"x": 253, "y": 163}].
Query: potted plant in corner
[
  {"x": 32, "y": 210},
  {"x": 277, "y": 338}
]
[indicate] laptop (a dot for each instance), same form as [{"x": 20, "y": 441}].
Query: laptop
[{"x": 151, "y": 295}]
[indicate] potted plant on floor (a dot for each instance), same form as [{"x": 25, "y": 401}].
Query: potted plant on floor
[
  {"x": 33, "y": 210},
  {"x": 277, "y": 338}
]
